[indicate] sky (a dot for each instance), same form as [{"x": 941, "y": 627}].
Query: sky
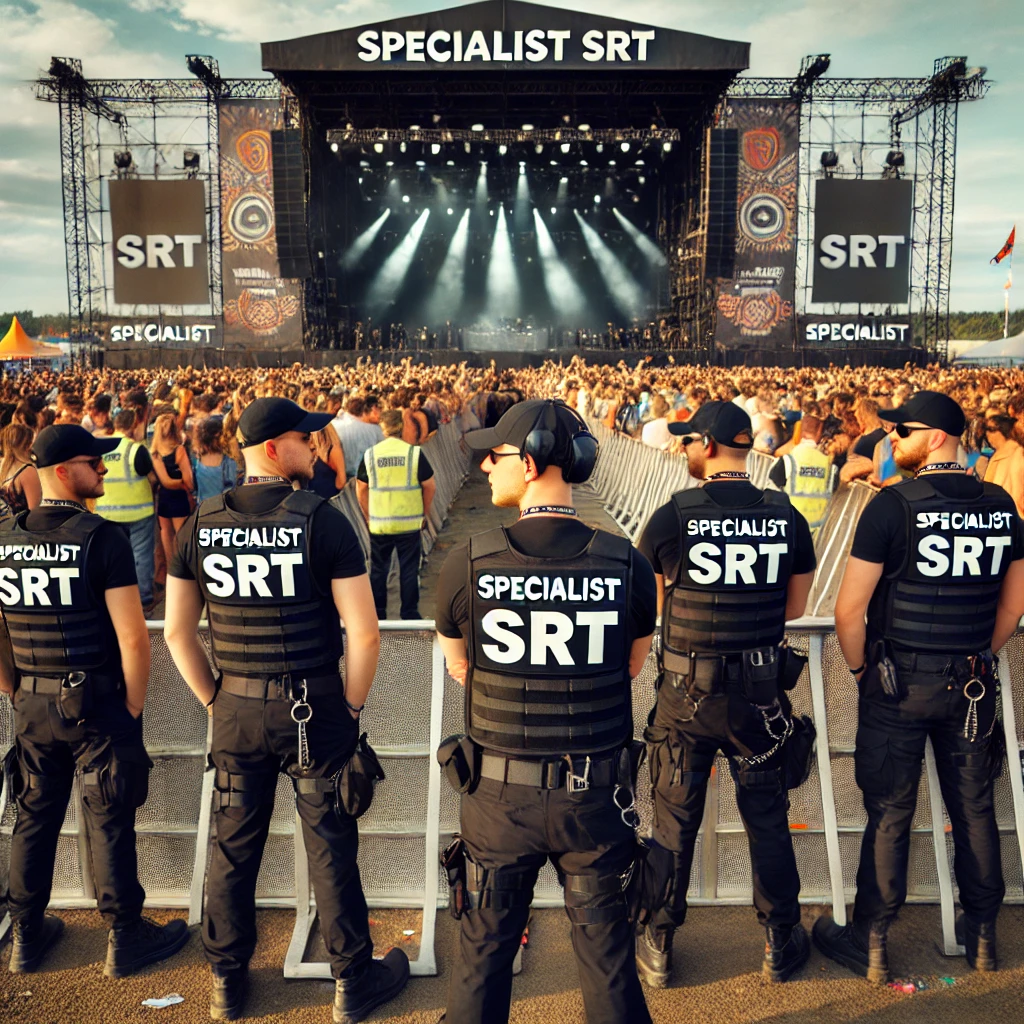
[{"x": 149, "y": 38}]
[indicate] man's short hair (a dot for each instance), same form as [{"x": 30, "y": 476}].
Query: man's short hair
[
  {"x": 391, "y": 422},
  {"x": 356, "y": 407}
]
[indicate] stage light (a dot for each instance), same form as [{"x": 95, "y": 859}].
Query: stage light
[
  {"x": 405, "y": 199},
  {"x": 624, "y": 147},
  {"x": 123, "y": 160},
  {"x": 554, "y": 163},
  {"x": 491, "y": 212},
  {"x": 563, "y": 181},
  {"x": 190, "y": 162},
  {"x": 334, "y": 147},
  {"x": 639, "y": 163},
  {"x": 584, "y": 128},
  {"x": 450, "y": 211},
  {"x": 527, "y": 127},
  {"x": 600, "y": 147},
  {"x": 625, "y": 291},
  {"x": 435, "y": 148},
  {"x": 829, "y": 159},
  {"x": 646, "y": 245},
  {"x": 477, "y": 127},
  {"x": 642, "y": 180},
  {"x": 378, "y": 147},
  {"x": 388, "y": 282},
  {"x": 390, "y": 163},
  {"x": 554, "y": 209},
  {"x": 895, "y": 158},
  {"x": 421, "y": 163},
  {"x": 364, "y": 163},
  {"x": 359, "y": 247},
  {"x": 502, "y": 282},
  {"x": 612, "y": 163},
  {"x": 562, "y": 289},
  {"x": 597, "y": 200},
  {"x": 414, "y": 127},
  {"x": 565, "y": 147},
  {"x": 667, "y": 147},
  {"x": 450, "y": 163},
  {"x": 467, "y": 147},
  {"x": 503, "y": 149},
  {"x": 538, "y": 149},
  {"x": 402, "y": 146},
  {"x": 360, "y": 181}
]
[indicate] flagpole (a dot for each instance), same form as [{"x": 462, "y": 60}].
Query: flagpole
[{"x": 1006, "y": 298}]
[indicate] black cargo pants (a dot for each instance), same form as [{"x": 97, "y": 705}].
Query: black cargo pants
[
  {"x": 510, "y": 831},
  {"x": 890, "y": 748},
  {"x": 107, "y": 748},
  {"x": 253, "y": 741},
  {"x": 681, "y": 754}
]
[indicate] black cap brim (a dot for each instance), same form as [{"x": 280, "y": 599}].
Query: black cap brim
[
  {"x": 312, "y": 422},
  {"x": 483, "y": 440},
  {"x": 681, "y": 428},
  {"x": 899, "y": 415},
  {"x": 105, "y": 445}
]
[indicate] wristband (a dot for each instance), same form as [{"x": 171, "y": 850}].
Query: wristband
[
  {"x": 857, "y": 671},
  {"x": 352, "y": 707}
]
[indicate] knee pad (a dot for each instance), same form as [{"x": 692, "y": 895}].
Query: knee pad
[{"x": 595, "y": 899}]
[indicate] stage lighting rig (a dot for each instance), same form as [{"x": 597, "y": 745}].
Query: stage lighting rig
[
  {"x": 190, "y": 163},
  {"x": 124, "y": 163},
  {"x": 207, "y": 70},
  {"x": 829, "y": 162},
  {"x": 811, "y": 69}
]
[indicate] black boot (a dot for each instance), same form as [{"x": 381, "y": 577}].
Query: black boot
[
  {"x": 654, "y": 957},
  {"x": 979, "y": 941},
  {"x": 865, "y": 955},
  {"x": 227, "y": 992},
  {"x": 785, "y": 952},
  {"x": 131, "y": 947},
  {"x": 30, "y": 942},
  {"x": 355, "y": 998}
]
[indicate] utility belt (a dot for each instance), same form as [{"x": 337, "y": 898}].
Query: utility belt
[
  {"x": 76, "y": 692},
  {"x": 323, "y": 682},
  {"x": 757, "y": 673}
]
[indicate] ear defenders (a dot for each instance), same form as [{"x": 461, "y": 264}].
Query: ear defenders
[{"x": 577, "y": 463}]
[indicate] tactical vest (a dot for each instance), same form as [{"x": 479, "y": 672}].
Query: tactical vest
[
  {"x": 56, "y": 623},
  {"x": 548, "y": 650},
  {"x": 267, "y": 614},
  {"x": 808, "y": 476},
  {"x": 127, "y": 497},
  {"x": 396, "y": 497},
  {"x": 944, "y": 596},
  {"x": 729, "y": 594}
]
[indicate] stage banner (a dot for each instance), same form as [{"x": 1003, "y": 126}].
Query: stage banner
[
  {"x": 159, "y": 232},
  {"x": 862, "y": 240},
  {"x": 260, "y": 309},
  {"x": 165, "y": 331},
  {"x": 855, "y": 331},
  {"x": 755, "y": 305}
]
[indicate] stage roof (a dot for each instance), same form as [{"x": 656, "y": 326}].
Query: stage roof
[{"x": 506, "y": 35}]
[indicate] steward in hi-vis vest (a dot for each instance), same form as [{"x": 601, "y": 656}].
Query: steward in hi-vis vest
[
  {"x": 395, "y": 487},
  {"x": 276, "y": 567},
  {"x": 937, "y": 568},
  {"x": 733, "y": 564},
  {"x": 546, "y": 623},
  {"x": 79, "y": 651},
  {"x": 807, "y": 475}
]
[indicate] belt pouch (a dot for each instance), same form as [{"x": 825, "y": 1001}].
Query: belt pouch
[
  {"x": 459, "y": 758},
  {"x": 760, "y": 675},
  {"x": 792, "y": 666},
  {"x": 453, "y": 861},
  {"x": 355, "y": 783},
  {"x": 74, "y": 701},
  {"x": 881, "y": 677}
]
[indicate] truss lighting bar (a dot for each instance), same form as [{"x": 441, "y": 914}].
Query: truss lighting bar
[{"x": 500, "y": 136}]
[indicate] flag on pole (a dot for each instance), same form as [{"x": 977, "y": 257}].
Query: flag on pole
[{"x": 1007, "y": 249}]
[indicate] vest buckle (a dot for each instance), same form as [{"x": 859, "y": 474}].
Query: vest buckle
[{"x": 577, "y": 783}]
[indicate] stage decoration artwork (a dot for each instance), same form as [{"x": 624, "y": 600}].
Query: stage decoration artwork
[
  {"x": 259, "y": 307},
  {"x": 755, "y": 305}
]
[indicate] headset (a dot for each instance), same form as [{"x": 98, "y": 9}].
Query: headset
[{"x": 577, "y": 461}]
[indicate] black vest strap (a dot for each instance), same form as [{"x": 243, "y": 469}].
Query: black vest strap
[{"x": 492, "y": 542}]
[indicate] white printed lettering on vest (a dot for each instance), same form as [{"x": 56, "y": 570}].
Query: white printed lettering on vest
[
  {"x": 739, "y": 562},
  {"x": 253, "y": 571},
  {"x": 549, "y": 631},
  {"x": 543, "y": 639},
  {"x": 967, "y": 552},
  {"x": 492, "y": 624},
  {"x": 34, "y": 586}
]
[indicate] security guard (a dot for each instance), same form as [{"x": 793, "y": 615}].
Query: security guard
[
  {"x": 733, "y": 563},
  {"x": 78, "y": 670},
  {"x": 807, "y": 474},
  {"x": 545, "y": 623},
  {"x": 276, "y": 567},
  {"x": 937, "y": 565},
  {"x": 395, "y": 487}
]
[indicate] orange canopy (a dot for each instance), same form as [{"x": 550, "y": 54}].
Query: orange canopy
[{"x": 18, "y": 345}]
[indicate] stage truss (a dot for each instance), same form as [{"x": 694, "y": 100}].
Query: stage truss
[{"x": 848, "y": 116}]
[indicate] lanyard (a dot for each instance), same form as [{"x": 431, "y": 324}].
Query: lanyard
[
  {"x": 941, "y": 467},
  {"x": 729, "y": 474},
  {"x": 267, "y": 480},
  {"x": 61, "y": 503},
  {"x": 548, "y": 510}
]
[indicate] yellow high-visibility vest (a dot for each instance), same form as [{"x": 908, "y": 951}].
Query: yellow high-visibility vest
[
  {"x": 396, "y": 498},
  {"x": 127, "y": 497},
  {"x": 809, "y": 483}
]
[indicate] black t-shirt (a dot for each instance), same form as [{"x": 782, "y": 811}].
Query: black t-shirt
[
  {"x": 540, "y": 537},
  {"x": 142, "y": 463},
  {"x": 865, "y": 444},
  {"x": 424, "y": 469},
  {"x": 659, "y": 543},
  {"x": 111, "y": 563},
  {"x": 881, "y": 534},
  {"x": 334, "y": 554}
]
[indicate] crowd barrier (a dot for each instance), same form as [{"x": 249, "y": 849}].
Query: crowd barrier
[{"x": 414, "y": 703}]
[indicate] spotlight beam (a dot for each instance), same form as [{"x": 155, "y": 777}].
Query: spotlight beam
[
  {"x": 391, "y": 276},
  {"x": 450, "y": 286},
  {"x": 357, "y": 250},
  {"x": 563, "y": 291},
  {"x": 502, "y": 282},
  {"x": 625, "y": 292},
  {"x": 646, "y": 245}
]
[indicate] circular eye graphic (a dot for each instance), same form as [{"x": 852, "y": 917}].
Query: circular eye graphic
[
  {"x": 251, "y": 218},
  {"x": 763, "y": 217}
]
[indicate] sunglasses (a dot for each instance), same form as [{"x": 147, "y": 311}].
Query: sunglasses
[
  {"x": 904, "y": 430},
  {"x": 690, "y": 438},
  {"x": 94, "y": 463},
  {"x": 492, "y": 457}
]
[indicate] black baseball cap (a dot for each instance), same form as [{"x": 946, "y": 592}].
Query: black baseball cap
[
  {"x": 722, "y": 421},
  {"x": 66, "y": 441},
  {"x": 932, "y": 408},
  {"x": 267, "y": 418},
  {"x": 537, "y": 413}
]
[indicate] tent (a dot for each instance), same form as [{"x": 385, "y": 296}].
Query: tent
[
  {"x": 18, "y": 345},
  {"x": 1001, "y": 352}
]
